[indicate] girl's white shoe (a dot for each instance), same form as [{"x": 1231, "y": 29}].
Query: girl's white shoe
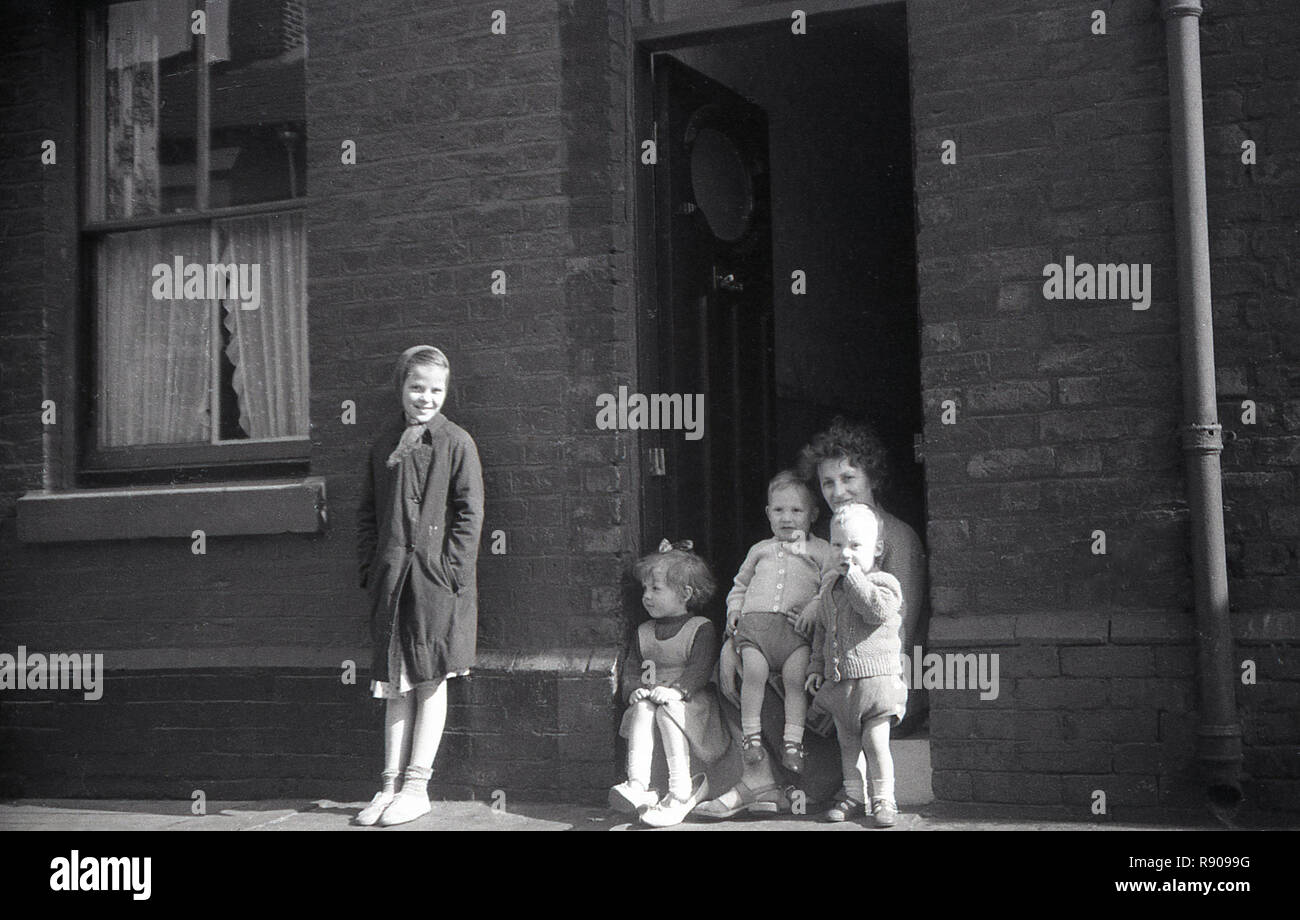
[
  {"x": 370, "y": 814},
  {"x": 671, "y": 810},
  {"x": 406, "y": 807},
  {"x": 629, "y": 798}
]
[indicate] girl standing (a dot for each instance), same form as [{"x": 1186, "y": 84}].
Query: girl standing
[{"x": 418, "y": 530}]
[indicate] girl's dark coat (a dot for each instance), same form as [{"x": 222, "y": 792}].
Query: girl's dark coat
[{"x": 438, "y": 559}]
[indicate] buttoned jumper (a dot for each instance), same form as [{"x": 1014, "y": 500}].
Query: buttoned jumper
[
  {"x": 857, "y": 649},
  {"x": 772, "y": 580}
]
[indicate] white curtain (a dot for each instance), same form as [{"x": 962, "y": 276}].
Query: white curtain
[
  {"x": 155, "y": 356},
  {"x": 268, "y": 346}
]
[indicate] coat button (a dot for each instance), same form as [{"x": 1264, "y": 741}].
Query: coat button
[{"x": 410, "y": 547}]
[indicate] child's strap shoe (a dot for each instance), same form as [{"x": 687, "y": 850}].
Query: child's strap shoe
[
  {"x": 842, "y": 810},
  {"x": 793, "y": 756},
  {"x": 751, "y": 748},
  {"x": 672, "y": 810},
  {"x": 884, "y": 812}
]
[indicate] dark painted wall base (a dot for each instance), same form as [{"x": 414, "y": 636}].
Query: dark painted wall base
[{"x": 258, "y": 733}]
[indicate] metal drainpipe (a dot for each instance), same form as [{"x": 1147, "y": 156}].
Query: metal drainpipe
[{"x": 1219, "y": 733}]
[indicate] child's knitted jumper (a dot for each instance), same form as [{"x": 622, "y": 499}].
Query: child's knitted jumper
[{"x": 857, "y": 631}]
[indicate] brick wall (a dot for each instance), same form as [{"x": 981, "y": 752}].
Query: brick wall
[
  {"x": 475, "y": 152},
  {"x": 1068, "y": 412},
  {"x": 478, "y": 152}
]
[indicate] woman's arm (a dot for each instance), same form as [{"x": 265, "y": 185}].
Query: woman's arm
[
  {"x": 465, "y": 501},
  {"x": 904, "y": 558}
]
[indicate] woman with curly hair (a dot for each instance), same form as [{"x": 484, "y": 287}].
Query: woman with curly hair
[{"x": 847, "y": 464}]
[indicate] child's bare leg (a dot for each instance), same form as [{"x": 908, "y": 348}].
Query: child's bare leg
[
  {"x": 850, "y": 732},
  {"x": 430, "y": 719},
  {"x": 641, "y": 743},
  {"x": 793, "y": 674},
  {"x": 398, "y": 715},
  {"x": 728, "y": 664},
  {"x": 880, "y": 762},
  {"x": 752, "y": 686},
  {"x": 670, "y": 717}
]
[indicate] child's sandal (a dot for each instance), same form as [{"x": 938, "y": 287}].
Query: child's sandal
[
  {"x": 751, "y": 748},
  {"x": 842, "y": 810}
]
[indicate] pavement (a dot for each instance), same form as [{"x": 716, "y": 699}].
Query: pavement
[
  {"x": 917, "y": 812},
  {"x": 324, "y": 815}
]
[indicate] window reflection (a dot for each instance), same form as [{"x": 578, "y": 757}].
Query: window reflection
[
  {"x": 258, "y": 105},
  {"x": 150, "y": 108}
]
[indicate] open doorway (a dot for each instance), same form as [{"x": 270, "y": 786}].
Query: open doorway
[
  {"x": 783, "y": 249},
  {"x": 781, "y": 154}
]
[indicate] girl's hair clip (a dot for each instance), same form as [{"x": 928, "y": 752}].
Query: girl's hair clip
[{"x": 684, "y": 546}]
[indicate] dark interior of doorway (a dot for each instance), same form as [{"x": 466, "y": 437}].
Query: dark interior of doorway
[{"x": 841, "y": 211}]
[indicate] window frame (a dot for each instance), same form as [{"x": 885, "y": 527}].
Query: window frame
[{"x": 247, "y": 454}]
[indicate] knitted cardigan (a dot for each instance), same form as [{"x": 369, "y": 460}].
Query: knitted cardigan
[{"x": 857, "y": 628}]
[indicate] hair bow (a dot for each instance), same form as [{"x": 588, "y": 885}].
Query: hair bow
[{"x": 665, "y": 545}]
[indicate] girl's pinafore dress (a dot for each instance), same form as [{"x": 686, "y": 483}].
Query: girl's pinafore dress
[{"x": 703, "y": 723}]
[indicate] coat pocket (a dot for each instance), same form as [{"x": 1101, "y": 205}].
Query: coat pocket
[{"x": 436, "y": 568}]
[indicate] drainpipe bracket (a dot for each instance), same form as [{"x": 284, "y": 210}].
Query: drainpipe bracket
[
  {"x": 1203, "y": 439},
  {"x": 1228, "y": 731},
  {"x": 1172, "y": 8}
]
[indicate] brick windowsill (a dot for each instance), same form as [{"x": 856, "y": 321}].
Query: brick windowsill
[
  {"x": 262, "y": 507},
  {"x": 565, "y": 662}
]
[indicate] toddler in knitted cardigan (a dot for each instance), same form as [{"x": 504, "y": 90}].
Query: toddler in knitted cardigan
[{"x": 856, "y": 667}]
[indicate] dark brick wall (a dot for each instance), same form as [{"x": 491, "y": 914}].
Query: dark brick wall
[
  {"x": 298, "y": 733},
  {"x": 475, "y": 152},
  {"x": 478, "y": 152},
  {"x": 1068, "y": 411}
]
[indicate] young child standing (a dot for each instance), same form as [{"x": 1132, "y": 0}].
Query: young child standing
[
  {"x": 418, "y": 528},
  {"x": 666, "y": 685},
  {"x": 779, "y": 577},
  {"x": 856, "y": 666}
]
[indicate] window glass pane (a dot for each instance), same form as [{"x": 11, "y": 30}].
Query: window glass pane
[
  {"x": 257, "y": 59},
  {"x": 150, "y": 112},
  {"x": 154, "y": 345}
]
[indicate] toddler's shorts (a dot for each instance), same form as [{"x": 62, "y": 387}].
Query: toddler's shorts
[{"x": 771, "y": 634}]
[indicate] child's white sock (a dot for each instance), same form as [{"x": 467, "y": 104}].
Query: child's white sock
[
  {"x": 679, "y": 779},
  {"x": 390, "y": 778},
  {"x": 793, "y": 733},
  {"x": 415, "y": 781},
  {"x": 882, "y": 788},
  {"x": 639, "y": 758}
]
